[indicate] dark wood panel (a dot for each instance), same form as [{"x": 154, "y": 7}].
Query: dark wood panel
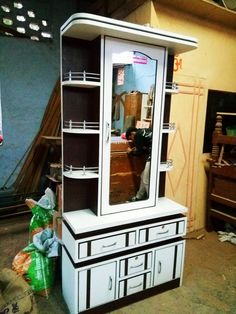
[
  {"x": 81, "y": 150},
  {"x": 86, "y": 58},
  {"x": 81, "y": 104},
  {"x": 80, "y": 194}
]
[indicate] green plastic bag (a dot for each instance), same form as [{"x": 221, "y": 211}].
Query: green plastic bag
[
  {"x": 37, "y": 269},
  {"x": 42, "y": 213},
  {"x": 42, "y": 218}
]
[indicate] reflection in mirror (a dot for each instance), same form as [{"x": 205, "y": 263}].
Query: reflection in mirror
[{"x": 133, "y": 88}]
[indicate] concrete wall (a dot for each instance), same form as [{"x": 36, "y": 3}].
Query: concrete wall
[
  {"x": 211, "y": 66},
  {"x": 28, "y": 73}
]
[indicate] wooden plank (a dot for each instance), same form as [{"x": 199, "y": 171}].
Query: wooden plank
[{"x": 29, "y": 177}]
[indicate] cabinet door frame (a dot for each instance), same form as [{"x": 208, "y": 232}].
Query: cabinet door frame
[{"x": 115, "y": 45}]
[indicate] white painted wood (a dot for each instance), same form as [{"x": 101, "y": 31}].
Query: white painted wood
[
  {"x": 83, "y": 250},
  {"x": 182, "y": 227},
  {"x": 132, "y": 238},
  {"x": 82, "y": 291},
  {"x": 161, "y": 232},
  {"x": 166, "y": 166},
  {"x": 91, "y": 26},
  {"x": 116, "y": 241},
  {"x": 136, "y": 264},
  {"x": 149, "y": 260},
  {"x": 85, "y": 220},
  {"x": 118, "y": 46},
  {"x": 80, "y": 175},
  {"x": 106, "y": 280},
  {"x": 84, "y": 84},
  {"x": 135, "y": 284},
  {"x": 69, "y": 284},
  {"x": 103, "y": 283},
  {"x": 108, "y": 244},
  {"x": 69, "y": 242},
  {"x": 163, "y": 265},
  {"x": 79, "y": 131},
  {"x": 179, "y": 260},
  {"x": 121, "y": 289}
]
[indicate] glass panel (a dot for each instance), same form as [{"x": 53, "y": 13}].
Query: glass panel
[{"x": 133, "y": 85}]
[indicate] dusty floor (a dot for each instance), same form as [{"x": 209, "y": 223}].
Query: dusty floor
[{"x": 209, "y": 283}]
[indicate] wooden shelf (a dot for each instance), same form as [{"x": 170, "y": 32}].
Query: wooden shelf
[
  {"x": 222, "y": 216},
  {"x": 53, "y": 140},
  {"x": 223, "y": 200},
  {"x": 223, "y": 139},
  {"x": 225, "y": 171}
]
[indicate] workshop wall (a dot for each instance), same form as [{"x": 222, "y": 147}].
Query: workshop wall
[
  {"x": 210, "y": 66},
  {"x": 29, "y": 71}
]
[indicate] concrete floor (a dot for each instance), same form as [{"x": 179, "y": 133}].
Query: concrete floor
[{"x": 209, "y": 282}]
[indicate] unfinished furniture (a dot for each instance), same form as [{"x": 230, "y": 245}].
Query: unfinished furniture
[
  {"x": 221, "y": 199},
  {"x": 115, "y": 252}
]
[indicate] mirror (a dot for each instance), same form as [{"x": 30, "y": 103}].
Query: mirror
[{"x": 133, "y": 86}]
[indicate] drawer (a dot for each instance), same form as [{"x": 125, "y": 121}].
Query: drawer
[
  {"x": 160, "y": 232},
  {"x": 108, "y": 244},
  {"x": 135, "y": 264},
  {"x": 163, "y": 231},
  {"x": 134, "y": 284}
]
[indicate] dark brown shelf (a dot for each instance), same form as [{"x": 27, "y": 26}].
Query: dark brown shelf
[
  {"x": 222, "y": 215},
  {"x": 223, "y": 139},
  {"x": 224, "y": 171},
  {"x": 223, "y": 200}
]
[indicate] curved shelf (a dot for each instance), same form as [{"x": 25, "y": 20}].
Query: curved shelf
[
  {"x": 166, "y": 166},
  {"x": 81, "y": 79},
  {"x": 81, "y": 127},
  {"x": 86, "y": 84},
  {"x": 168, "y": 127},
  {"x": 171, "y": 88},
  {"x": 80, "y": 131},
  {"x": 80, "y": 174}
]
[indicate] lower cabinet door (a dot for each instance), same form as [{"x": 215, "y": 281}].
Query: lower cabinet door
[
  {"x": 164, "y": 265},
  {"x": 102, "y": 284}
]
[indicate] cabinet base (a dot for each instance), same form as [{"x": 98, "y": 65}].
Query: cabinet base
[{"x": 106, "y": 308}]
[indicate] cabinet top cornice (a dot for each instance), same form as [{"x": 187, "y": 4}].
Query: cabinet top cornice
[{"x": 89, "y": 26}]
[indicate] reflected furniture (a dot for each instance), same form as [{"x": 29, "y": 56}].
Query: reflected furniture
[
  {"x": 125, "y": 171},
  {"x": 115, "y": 251}
]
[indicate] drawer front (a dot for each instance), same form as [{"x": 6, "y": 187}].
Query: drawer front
[
  {"x": 135, "y": 264},
  {"x": 108, "y": 244},
  {"x": 105, "y": 245},
  {"x": 161, "y": 231},
  {"x": 134, "y": 284}
]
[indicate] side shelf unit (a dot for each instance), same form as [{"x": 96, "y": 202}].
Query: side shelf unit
[
  {"x": 81, "y": 83},
  {"x": 111, "y": 259}
]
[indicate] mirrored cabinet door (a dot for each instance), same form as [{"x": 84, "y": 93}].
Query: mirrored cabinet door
[{"x": 133, "y": 99}]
